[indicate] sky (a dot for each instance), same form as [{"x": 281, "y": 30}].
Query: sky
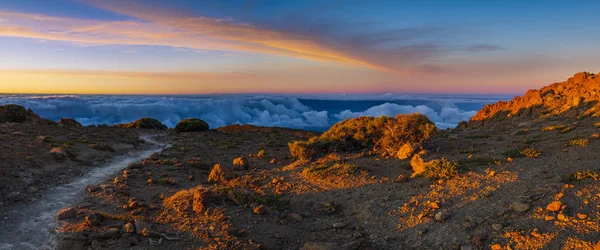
[{"x": 294, "y": 47}]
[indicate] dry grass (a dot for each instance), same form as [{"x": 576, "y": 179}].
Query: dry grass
[
  {"x": 441, "y": 169},
  {"x": 553, "y": 128},
  {"x": 530, "y": 152},
  {"x": 579, "y": 142}
]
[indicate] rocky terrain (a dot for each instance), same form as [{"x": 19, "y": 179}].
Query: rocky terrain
[{"x": 522, "y": 174}]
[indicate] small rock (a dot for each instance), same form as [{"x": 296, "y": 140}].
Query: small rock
[
  {"x": 66, "y": 213},
  {"x": 296, "y": 217},
  {"x": 554, "y": 206},
  {"x": 519, "y": 206},
  {"x": 129, "y": 228},
  {"x": 549, "y": 218},
  {"x": 273, "y": 161},
  {"x": 220, "y": 173},
  {"x": 562, "y": 217},
  {"x": 241, "y": 163},
  {"x": 406, "y": 151},
  {"x": 109, "y": 234},
  {"x": 581, "y": 216},
  {"x": 497, "y": 226},
  {"x": 339, "y": 225},
  {"x": 278, "y": 236},
  {"x": 32, "y": 190},
  {"x": 15, "y": 196},
  {"x": 441, "y": 216}
]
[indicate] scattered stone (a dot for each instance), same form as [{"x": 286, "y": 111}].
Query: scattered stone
[
  {"x": 519, "y": 206},
  {"x": 109, "y": 234},
  {"x": 241, "y": 163},
  {"x": 581, "y": 216},
  {"x": 15, "y": 196},
  {"x": 497, "y": 227},
  {"x": 441, "y": 216},
  {"x": 562, "y": 217},
  {"x": 129, "y": 228},
  {"x": 32, "y": 190},
  {"x": 296, "y": 217},
  {"x": 339, "y": 225},
  {"x": 220, "y": 173},
  {"x": 554, "y": 206},
  {"x": 66, "y": 213},
  {"x": 407, "y": 150},
  {"x": 273, "y": 161}
]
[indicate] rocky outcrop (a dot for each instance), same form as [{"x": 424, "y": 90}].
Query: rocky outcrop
[
  {"x": 576, "y": 97},
  {"x": 18, "y": 114}
]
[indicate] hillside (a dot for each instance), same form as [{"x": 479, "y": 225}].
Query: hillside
[
  {"x": 521, "y": 174},
  {"x": 579, "y": 96}
]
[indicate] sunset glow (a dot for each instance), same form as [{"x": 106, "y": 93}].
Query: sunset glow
[{"x": 178, "y": 47}]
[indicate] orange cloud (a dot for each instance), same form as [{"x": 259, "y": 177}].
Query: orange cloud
[{"x": 198, "y": 33}]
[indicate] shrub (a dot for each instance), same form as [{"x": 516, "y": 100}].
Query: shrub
[
  {"x": 13, "y": 113},
  {"x": 597, "y": 124},
  {"x": 440, "y": 169},
  {"x": 530, "y": 152},
  {"x": 581, "y": 175},
  {"x": 513, "y": 153},
  {"x": 262, "y": 154},
  {"x": 144, "y": 123},
  {"x": 579, "y": 142},
  {"x": 191, "y": 125},
  {"x": 385, "y": 135}
]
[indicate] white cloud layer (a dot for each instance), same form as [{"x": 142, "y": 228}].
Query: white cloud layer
[{"x": 217, "y": 110}]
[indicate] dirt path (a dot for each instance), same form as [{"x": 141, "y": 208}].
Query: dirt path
[{"x": 33, "y": 225}]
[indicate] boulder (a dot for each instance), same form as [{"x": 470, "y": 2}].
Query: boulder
[
  {"x": 406, "y": 151},
  {"x": 241, "y": 163},
  {"x": 191, "y": 125},
  {"x": 220, "y": 173},
  {"x": 66, "y": 213},
  {"x": 418, "y": 165}
]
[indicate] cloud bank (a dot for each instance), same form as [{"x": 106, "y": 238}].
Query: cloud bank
[{"x": 274, "y": 111}]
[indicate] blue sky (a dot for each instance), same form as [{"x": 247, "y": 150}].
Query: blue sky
[{"x": 196, "y": 47}]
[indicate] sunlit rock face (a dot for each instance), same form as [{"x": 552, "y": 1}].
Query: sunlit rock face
[{"x": 578, "y": 96}]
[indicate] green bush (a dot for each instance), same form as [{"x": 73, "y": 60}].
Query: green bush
[
  {"x": 441, "y": 169},
  {"x": 144, "y": 123},
  {"x": 384, "y": 135},
  {"x": 191, "y": 125},
  {"x": 13, "y": 113}
]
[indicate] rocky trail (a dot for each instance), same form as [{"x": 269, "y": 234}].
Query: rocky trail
[{"x": 33, "y": 225}]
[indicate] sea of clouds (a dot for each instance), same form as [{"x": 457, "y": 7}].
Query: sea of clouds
[{"x": 303, "y": 112}]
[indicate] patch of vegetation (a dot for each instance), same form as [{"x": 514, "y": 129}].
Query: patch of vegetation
[
  {"x": 441, "y": 169},
  {"x": 43, "y": 138},
  {"x": 553, "y": 128},
  {"x": 478, "y": 136},
  {"x": 579, "y": 142},
  {"x": 144, "y": 123},
  {"x": 566, "y": 130},
  {"x": 191, "y": 125},
  {"x": 581, "y": 175},
  {"x": 522, "y": 132},
  {"x": 513, "y": 153},
  {"x": 13, "y": 113},
  {"x": 531, "y": 140},
  {"x": 244, "y": 197},
  {"x": 470, "y": 150},
  {"x": 597, "y": 124},
  {"x": 530, "y": 152},
  {"x": 323, "y": 171},
  {"x": 102, "y": 147},
  {"x": 384, "y": 135},
  {"x": 485, "y": 160}
]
